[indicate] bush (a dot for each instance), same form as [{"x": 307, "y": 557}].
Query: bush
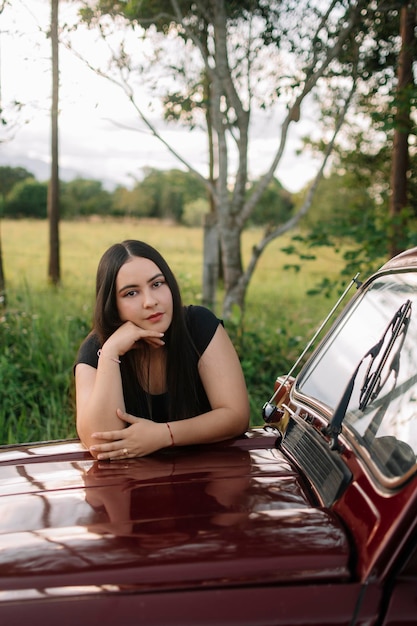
[
  {"x": 194, "y": 212},
  {"x": 28, "y": 198},
  {"x": 38, "y": 350},
  {"x": 263, "y": 356}
]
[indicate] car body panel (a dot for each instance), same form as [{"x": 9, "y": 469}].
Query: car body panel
[
  {"x": 263, "y": 606},
  {"x": 179, "y": 519}
]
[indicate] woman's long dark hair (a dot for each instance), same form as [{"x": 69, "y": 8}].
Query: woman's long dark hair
[{"x": 182, "y": 374}]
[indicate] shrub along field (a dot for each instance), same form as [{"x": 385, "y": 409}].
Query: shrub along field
[{"x": 42, "y": 326}]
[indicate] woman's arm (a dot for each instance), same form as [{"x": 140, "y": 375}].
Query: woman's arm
[
  {"x": 223, "y": 380},
  {"x": 99, "y": 392}
]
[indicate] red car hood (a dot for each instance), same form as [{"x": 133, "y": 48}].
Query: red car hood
[{"x": 233, "y": 513}]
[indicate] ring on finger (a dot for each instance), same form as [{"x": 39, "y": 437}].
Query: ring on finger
[{"x": 125, "y": 451}]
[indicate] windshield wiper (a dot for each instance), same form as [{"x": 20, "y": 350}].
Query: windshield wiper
[{"x": 373, "y": 382}]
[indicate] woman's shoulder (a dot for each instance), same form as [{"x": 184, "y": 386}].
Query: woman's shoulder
[
  {"x": 202, "y": 323},
  {"x": 196, "y": 313},
  {"x": 87, "y": 352}
]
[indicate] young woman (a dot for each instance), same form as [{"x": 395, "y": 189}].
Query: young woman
[{"x": 153, "y": 373}]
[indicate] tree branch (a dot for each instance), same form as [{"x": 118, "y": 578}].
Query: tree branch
[
  {"x": 293, "y": 221},
  {"x": 313, "y": 74},
  {"x": 123, "y": 84}
]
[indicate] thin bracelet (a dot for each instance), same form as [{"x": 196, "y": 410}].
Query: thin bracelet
[
  {"x": 110, "y": 357},
  {"x": 170, "y": 432}
]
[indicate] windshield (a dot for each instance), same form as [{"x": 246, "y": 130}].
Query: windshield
[{"x": 372, "y": 352}]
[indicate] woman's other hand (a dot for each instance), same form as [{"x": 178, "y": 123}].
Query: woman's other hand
[{"x": 140, "y": 438}]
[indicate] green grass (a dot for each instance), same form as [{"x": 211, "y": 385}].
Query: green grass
[{"x": 43, "y": 326}]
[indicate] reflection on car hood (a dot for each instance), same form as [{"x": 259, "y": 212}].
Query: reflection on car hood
[{"x": 232, "y": 513}]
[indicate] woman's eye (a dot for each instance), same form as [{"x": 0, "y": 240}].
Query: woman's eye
[
  {"x": 158, "y": 283},
  {"x": 129, "y": 294}
]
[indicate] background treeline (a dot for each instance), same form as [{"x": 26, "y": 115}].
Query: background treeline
[
  {"x": 171, "y": 195},
  {"x": 349, "y": 211}
]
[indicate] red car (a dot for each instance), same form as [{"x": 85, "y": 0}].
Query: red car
[{"x": 311, "y": 520}]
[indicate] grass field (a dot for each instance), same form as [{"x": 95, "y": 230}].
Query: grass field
[{"x": 42, "y": 326}]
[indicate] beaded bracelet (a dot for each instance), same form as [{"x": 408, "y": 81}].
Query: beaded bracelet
[
  {"x": 170, "y": 432},
  {"x": 110, "y": 357}
]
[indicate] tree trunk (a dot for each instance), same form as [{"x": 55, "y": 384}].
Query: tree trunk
[
  {"x": 211, "y": 244},
  {"x": 228, "y": 205},
  {"x": 211, "y": 260},
  {"x": 233, "y": 268},
  {"x": 54, "y": 272},
  {"x": 400, "y": 157},
  {"x": 235, "y": 282}
]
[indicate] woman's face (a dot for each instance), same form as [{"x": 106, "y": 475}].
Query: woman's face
[{"x": 143, "y": 296}]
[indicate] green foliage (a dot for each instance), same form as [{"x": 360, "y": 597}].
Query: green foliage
[
  {"x": 9, "y": 177},
  {"x": 131, "y": 202},
  {"x": 360, "y": 237},
  {"x": 27, "y": 198},
  {"x": 194, "y": 212},
  {"x": 350, "y": 209},
  {"x": 161, "y": 194},
  {"x": 38, "y": 346},
  {"x": 274, "y": 207},
  {"x": 165, "y": 193},
  {"x": 161, "y": 15},
  {"x": 82, "y": 197},
  {"x": 263, "y": 355},
  {"x": 340, "y": 204}
]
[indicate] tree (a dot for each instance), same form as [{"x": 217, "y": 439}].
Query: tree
[
  {"x": 160, "y": 194},
  {"x": 405, "y": 92},
  {"x": 275, "y": 205},
  {"x": 233, "y": 59},
  {"x": 4, "y": 124},
  {"x": 27, "y": 199},
  {"x": 9, "y": 176},
  {"x": 131, "y": 202},
  {"x": 376, "y": 162},
  {"x": 195, "y": 212},
  {"x": 167, "y": 192},
  {"x": 54, "y": 271},
  {"x": 82, "y": 197},
  {"x": 18, "y": 192}
]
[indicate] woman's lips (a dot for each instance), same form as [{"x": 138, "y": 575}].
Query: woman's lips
[{"x": 155, "y": 317}]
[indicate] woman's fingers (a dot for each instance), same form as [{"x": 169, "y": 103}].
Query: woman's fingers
[
  {"x": 105, "y": 452},
  {"x": 116, "y": 448},
  {"x": 126, "y": 417},
  {"x": 115, "y": 455},
  {"x": 128, "y": 335},
  {"x": 109, "y": 435},
  {"x": 156, "y": 342},
  {"x": 141, "y": 437}
]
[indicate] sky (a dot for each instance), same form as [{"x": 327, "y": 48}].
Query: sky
[{"x": 93, "y": 140}]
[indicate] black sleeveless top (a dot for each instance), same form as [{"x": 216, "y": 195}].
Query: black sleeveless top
[{"x": 202, "y": 325}]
